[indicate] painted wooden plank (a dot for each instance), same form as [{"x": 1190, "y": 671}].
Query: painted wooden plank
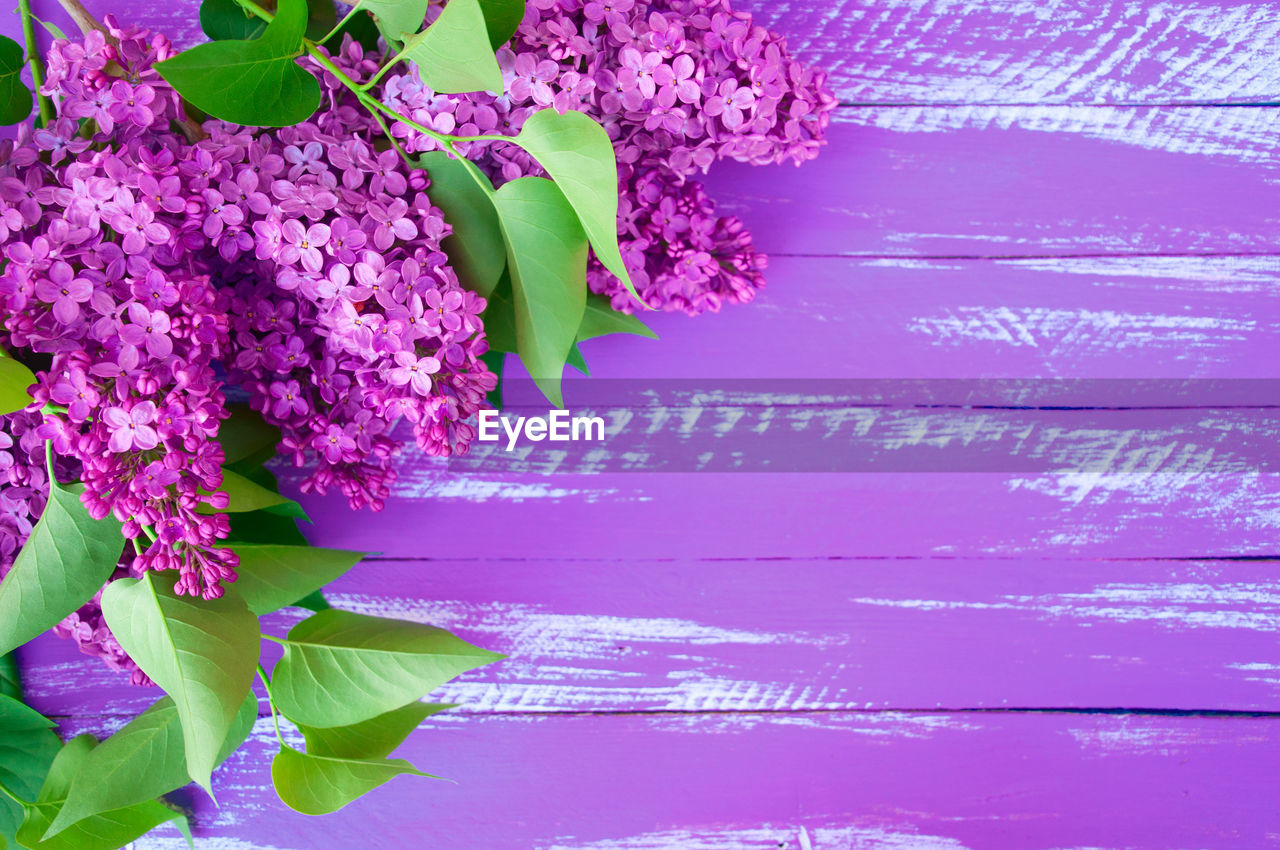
[
  {"x": 1019, "y": 181},
  {"x": 793, "y": 781},
  {"x": 794, "y": 634},
  {"x": 960, "y": 51},
  {"x": 1053, "y": 51}
]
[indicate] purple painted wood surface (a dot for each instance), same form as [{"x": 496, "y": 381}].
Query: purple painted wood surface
[{"x": 1026, "y": 190}]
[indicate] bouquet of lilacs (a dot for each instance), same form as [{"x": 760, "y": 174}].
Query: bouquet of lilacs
[{"x": 283, "y": 242}]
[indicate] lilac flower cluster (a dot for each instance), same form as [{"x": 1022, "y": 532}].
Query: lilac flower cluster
[{"x": 678, "y": 84}]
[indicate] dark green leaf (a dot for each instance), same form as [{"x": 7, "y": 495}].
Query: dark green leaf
[
  {"x": 600, "y": 319},
  {"x": 372, "y": 739},
  {"x": 314, "y": 785},
  {"x": 397, "y": 18},
  {"x": 204, "y": 653},
  {"x": 27, "y": 749},
  {"x": 500, "y": 316},
  {"x": 475, "y": 247},
  {"x": 547, "y": 255},
  {"x": 271, "y": 577},
  {"x": 578, "y": 155},
  {"x": 341, "y": 668},
  {"x": 255, "y": 83},
  {"x": 313, "y": 601},
  {"x": 246, "y": 434},
  {"x": 15, "y": 98},
  {"x": 501, "y": 18},
  {"x": 227, "y": 20},
  {"x": 246, "y": 495},
  {"x": 145, "y": 759},
  {"x": 321, "y": 17},
  {"x": 576, "y": 360},
  {"x": 14, "y": 378},
  {"x": 68, "y": 556},
  {"x": 496, "y": 361},
  {"x": 9, "y": 684},
  {"x": 361, "y": 28},
  {"x": 453, "y": 54}
]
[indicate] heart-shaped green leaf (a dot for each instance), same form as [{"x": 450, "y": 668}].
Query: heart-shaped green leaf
[
  {"x": 372, "y": 739},
  {"x": 271, "y": 577},
  {"x": 15, "y": 97},
  {"x": 600, "y": 319},
  {"x": 256, "y": 83},
  {"x": 14, "y": 378},
  {"x": 314, "y": 785},
  {"x": 68, "y": 556},
  {"x": 475, "y": 247},
  {"x": 501, "y": 19},
  {"x": 547, "y": 256},
  {"x": 453, "y": 54},
  {"x": 142, "y": 761},
  {"x": 106, "y": 831},
  {"x": 203, "y": 652},
  {"x": 27, "y": 749},
  {"x": 578, "y": 155},
  {"x": 397, "y": 19},
  {"x": 341, "y": 668}
]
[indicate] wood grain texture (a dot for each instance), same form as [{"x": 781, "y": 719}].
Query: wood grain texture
[
  {"x": 796, "y": 634},
  {"x": 1020, "y": 181},
  {"x": 802, "y": 781}
]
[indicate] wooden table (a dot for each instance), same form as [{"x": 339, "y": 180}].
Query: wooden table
[{"x": 911, "y": 656}]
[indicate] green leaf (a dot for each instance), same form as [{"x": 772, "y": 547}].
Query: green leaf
[
  {"x": 142, "y": 761},
  {"x": 600, "y": 319},
  {"x": 314, "y": 785},
  {"x": 475, "y": 247},
  {"x": 501, "y": 18},
  {"x": 361, "y": 28},
  {"x": 271, "y": 577},
  {"x": 27, "y": 749},
  {"x": 53, "y": 29},
  {"x": 313, "y": 601},
  {"x": 499, "y": 316},
  {"x": 372, "y": 739},
  {"x": 107, "y": 831},
  {"x": 246, "y": 434},
  {"x": 341, "y": 668},
  {"x": 246, "y": 495},
  {"x": 255, "y": 83},
  {"x": 14, "y": 377},
  {"x": 496, "y": 361},
  {"x": 15, "y": 98},
  {"x": 9, "y": 684},
  {"x": 547, "y": 255},
  {"x": 321, "y": 17},
  {"x": 576, "y": 360},
  {"x": 453, "y": 54},
  {"x": 397, "y": 18},
  {"x": 68, "y": 556},
  {"x": 203, "y": 652},
  {"x": 578, "y": 155},
  {"x": 227, "y": 20}
]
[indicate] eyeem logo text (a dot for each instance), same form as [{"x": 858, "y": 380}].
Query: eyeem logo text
[{"x": 557, "y": 426}]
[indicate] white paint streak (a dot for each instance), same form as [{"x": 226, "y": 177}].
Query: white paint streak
[{"x": 770, "y": 837}]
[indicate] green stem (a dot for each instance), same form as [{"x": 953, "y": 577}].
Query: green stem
[
  {"x": 271, "y": 703},
  {"x": 342, "y": 23},
  {"x": 48, "y": 460},
  {"x": 33, "y": 58},
  {"x": 12, "y": 796}
]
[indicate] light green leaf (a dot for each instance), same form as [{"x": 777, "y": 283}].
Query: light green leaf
[
  {"x": 578, "y": 155},
  {"x": 341, "y": 668},
  {"x": 68, "y": 556},
  {"x": 15, "y": 98},
  {"x": 547, "y": 255},
  {"x": 475, "y": 247},
  {"x": 600, "y": 319},
  {"x": 246, "y": 434},
  {"x": 314, "y": 785},
  {"x": 14, "y": 377},
  {"x": 271, "y": 577},
  {"x": 501, "y": 18},
  {"x": 255, "y": 83},
  {"x": 397, "y": 18},
  {"x": 246, "y": 495},
  {"x": 53, "y": 29},
  {"x": 142, "y": 761},
  {"x": 203, "y": 652},
  {"x": 372, "y": 739},
  {"x": 27, "y": 749},
  {"x": 453, "y": 54}
]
